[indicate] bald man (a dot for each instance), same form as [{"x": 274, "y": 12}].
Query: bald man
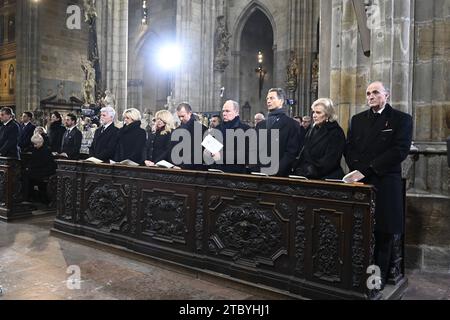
[
  {"x": 232, "y": 122},
  {"x": 379, "y": 139}
]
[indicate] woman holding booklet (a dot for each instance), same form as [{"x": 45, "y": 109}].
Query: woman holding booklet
[
  {"x": 320, "y": 158},
  {"x": 158, "y": 145}
]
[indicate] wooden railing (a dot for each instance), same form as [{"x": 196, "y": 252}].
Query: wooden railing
[
  {"x": 308, "y": 238},
  {"x": 11, "y": 191}
]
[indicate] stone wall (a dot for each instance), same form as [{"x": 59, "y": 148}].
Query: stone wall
[
  {"x": 60, "y": 51},
  {"x": 409, "y": 44}
]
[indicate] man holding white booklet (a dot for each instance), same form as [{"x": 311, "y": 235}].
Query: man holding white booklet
[{"x": 214, "y": 149}]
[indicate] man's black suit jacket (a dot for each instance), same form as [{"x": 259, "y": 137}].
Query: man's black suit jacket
[
  {"x": 377, "y": 148},
  {"x": 104, "y": 145},
  {"x": 25, "y": 137},
  {"x": 288, "y": 142},
  {"x": 9, "y": 140},
  {"x": 71, "y": 144}
]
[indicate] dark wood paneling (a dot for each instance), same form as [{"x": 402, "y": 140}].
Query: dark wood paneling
[{"x": 306, "y": 237}]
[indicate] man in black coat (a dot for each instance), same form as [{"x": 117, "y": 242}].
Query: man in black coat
[
  {"x": 192, "y": 130},
  {"x": 288, "y": 136},
  {"x": 9, "y": 134},
  {"x": 378, "y": 141},
  {"x": 103, "y": 146},
  {"x": 71, "y": 143},
  {"x": 27, "y": 131},
  {"x": 238, "y": 159}
]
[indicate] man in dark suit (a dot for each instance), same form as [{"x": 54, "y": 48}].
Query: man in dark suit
[
  {"x": 104, "y": 144},
  {"x": 71, "y": 143},
  {"x": 288, "y": 136},
  {"x": 9, "y": 134},
  {"x": 235, "y": 162},
  {"x": 193, "y": 130},
  {"x": 27, "y": 131},
  {"x": 378, "y": 141}
]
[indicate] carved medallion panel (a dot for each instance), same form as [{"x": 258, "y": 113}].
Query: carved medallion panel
[
  {"x": 164, "y": 216},
  {"x": 249, "y": 232}
]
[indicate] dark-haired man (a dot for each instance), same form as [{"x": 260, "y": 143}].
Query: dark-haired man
[
  {"x": 72, "y": 138},
  {"x": 188, "y": 154},
  {"x": 9, "y": 134},
  {"x": 281, "y": 131},
  {"x": 27, "y": 131}
]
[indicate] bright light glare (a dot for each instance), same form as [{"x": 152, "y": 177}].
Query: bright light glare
[{"x": 169, "y": 57}]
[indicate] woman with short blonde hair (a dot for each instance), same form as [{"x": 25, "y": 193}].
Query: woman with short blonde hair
[
  {"x": 320, "y": 157},
  {"x": 133, "y": 114},
  {"x": 131, "y": 138},
  {"x": 328, "y": 108}
]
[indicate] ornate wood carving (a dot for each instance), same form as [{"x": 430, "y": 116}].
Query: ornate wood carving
[
  {"x": 105, "y": 207},
  {"x": 164, "y": 217},
  {"x": 199, "y": 221},
  {"x": 66, "y": 197},
  {"x": 358, "y": 256},
  {"x": 328, "y": 257},
  {"x": 3, "y": 186},
  {"x": 255, "y": 229},
  {"x": 249, "y": 231},
  {"x": 300, "y": 240}
]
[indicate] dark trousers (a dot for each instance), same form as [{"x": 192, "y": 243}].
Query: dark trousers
[
  {"x": 29, "y": 192},
  {"x": 384, "y": 244}
]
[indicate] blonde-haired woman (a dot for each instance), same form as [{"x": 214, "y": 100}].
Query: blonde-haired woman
[
  {"x": 324, "y": 145},
  {"x": 159, "y": 141},
  {"x": 131, "y": 138}
]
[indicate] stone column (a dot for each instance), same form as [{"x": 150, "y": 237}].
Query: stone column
[
  {"x": 194, "y": 79},
  {"x": 392, "y": 51},
  {"x": 27, "y": 71},
  {"x": 113, "y": 48}
]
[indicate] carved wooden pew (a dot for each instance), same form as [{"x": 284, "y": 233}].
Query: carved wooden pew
[
  {"x": 11, "y": 191},
  {"x": 309, "y": 238}
]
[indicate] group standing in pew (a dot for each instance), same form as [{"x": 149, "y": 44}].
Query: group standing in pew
[{"x": 377, "y": 142}]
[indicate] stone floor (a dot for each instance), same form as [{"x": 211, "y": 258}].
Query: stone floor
[{"x": 33, "y": 265}]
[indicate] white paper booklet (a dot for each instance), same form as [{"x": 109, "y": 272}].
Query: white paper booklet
[
  {"x": 164, "y": 164},
  {"x": 298, "y": 177},
  {"x": 211, "y": 144},
  {"x": 353, "y": 177},
  {"x": 94, "y": 160},
  {"x": 125, "y": 162}
]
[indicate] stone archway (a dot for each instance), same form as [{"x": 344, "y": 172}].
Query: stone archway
[{"x": 254, "y": 32}]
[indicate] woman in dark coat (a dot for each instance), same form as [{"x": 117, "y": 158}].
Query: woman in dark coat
[
  {"x": 131, "y": 138},
  {"x": 43, "y": 133},
  {"x": 55, "y": 131},
  {"x": 324, "y": 145},
  {"x": 159, "y": 142},
  {"x": 40, "y": 167}
]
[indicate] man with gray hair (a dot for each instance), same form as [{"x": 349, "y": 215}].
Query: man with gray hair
[
  {"x": 104, "y": 144},
  {"x": 230, "y": 130},
  {"x": 259, "y": 117}
]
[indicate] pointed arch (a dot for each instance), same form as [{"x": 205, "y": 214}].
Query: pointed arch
[{"x": 244, "y": 17}]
